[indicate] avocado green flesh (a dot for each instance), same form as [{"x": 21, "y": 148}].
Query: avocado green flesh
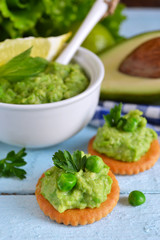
[
  {"x": 122, "y": 87},
  {"x": 125, "y": 146},
  {"x": 90, "y": 190},
  {"x": 145, "y": 99}
]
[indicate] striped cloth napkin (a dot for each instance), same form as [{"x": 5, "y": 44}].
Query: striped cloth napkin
[{"x": 150, "y": 112}]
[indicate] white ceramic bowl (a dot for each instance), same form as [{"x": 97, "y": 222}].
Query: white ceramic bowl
[{"x": 43, "y": 125}]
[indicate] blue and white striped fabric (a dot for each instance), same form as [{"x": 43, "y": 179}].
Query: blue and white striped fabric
[{"x": 150, "y": 112}]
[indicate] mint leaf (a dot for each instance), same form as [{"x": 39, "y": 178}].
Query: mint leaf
[{"x": 22, "y": 66}]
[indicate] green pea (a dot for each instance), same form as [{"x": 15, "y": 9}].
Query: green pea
[
  {"x": 136, "y": 198},
  {"x": 121, "y": 122},
  {"x": 48, "y": 173},
  {"x": 66, "y": 181},
  {"x": 96, "y": 200},
  {"x": 131, "y": 124},
  {"x": 94, "y": 164}
]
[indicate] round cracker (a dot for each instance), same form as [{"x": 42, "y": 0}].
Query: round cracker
[
  {"x": 129, "y": 168},
  {"x": 79, "y": 216}
]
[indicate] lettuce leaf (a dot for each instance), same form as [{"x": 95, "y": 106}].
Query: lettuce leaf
[
  {"x": 59, "y": 16},
  {"x": 114, "y": 21},
  {"x": 19, "y": 18},
  {"x": 49, "y": 17}
]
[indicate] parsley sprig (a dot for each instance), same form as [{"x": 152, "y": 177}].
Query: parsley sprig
[
  {"x": 10, "y": 165},
  {"x": 70, "y": 163},
  {"x": 127, "y": 123},
  {"x": 114, "y": 116}
]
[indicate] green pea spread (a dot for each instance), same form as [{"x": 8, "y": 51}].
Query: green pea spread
[
  {"x": 57, "y": 83},
  {"x": 126, "y": 146},
  {"x": 90, "y": 190}
]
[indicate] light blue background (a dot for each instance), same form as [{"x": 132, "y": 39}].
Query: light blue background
[{"x": 20, "y": 216}]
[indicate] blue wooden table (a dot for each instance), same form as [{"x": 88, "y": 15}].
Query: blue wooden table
[{"x": 20, "y": 216}]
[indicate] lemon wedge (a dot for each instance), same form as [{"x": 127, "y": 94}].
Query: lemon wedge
[{"x": 47, "y": 48}]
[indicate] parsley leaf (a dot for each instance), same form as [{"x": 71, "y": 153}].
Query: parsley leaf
[
  {"x": 70, "y": 163},
  {"x": 10, "y": 166},
  {"x": 114, "y": 116},
  {"x": 128, "y": 123},
  {"x": 23, "y": 66},
  {"x": 79, "y": 160}
]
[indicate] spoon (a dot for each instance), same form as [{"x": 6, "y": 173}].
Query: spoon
[{"x": 98, "y": 10}]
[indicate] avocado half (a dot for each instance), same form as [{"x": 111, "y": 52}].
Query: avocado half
[{"x": 119, "y": 86}]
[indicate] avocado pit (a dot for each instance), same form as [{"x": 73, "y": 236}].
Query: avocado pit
[{"x": 144, "y": 61}]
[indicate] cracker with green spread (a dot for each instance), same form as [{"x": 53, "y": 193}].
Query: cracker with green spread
[
  {"x": 125, "y": 143},
  {"x": 79, "y": 189}
]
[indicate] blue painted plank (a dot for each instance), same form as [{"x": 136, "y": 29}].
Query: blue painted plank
[
  {"x": 41, "y": 159},
  {"x": 21, "y": 218}
]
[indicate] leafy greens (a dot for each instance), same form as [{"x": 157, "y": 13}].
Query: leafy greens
[
  {"x": 113, "y": 22},
  {"x": 49, "y": 17},
  {"x": 128, "y": 123},
  {"x": 10, "y": 165},
  {"x": 69, "y": 163},
  {"x": 22, "y": 66},
  {"x": 114, "y": 116}
]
